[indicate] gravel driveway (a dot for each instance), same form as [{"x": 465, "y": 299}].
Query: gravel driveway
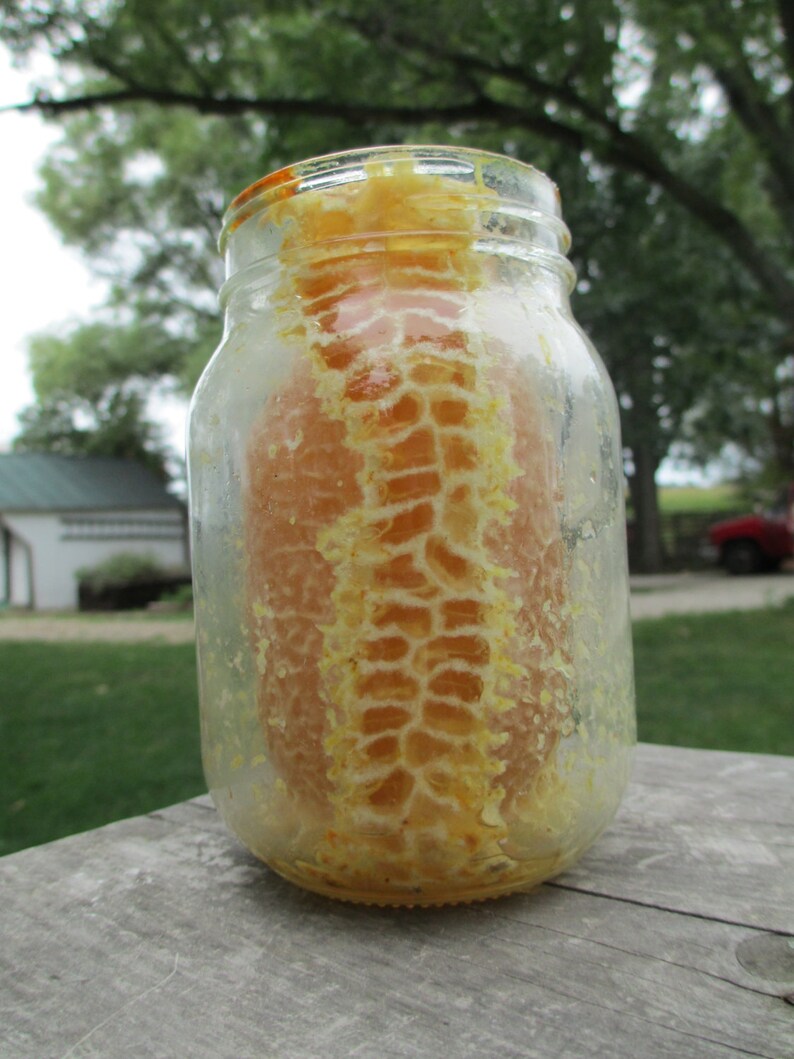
[
  {"x": 652, "y": 596},
  {"x": 655, "y": 595},
  {"x": 109, "y": 628}
]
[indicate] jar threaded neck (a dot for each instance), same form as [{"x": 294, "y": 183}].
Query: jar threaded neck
[{"x": 501, "y": 205}]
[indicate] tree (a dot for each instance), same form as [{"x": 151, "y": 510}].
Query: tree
[
  {"x": 650, "y": 328},
  {"x": 681, "y": 111},
  {"x": 89, "y": 403},
  {"x": 115, "y": 428}
]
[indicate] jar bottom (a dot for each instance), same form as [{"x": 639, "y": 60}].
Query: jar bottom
[
  {"x": 526, "y": 877},
  {"x": 535, "y": 848}
]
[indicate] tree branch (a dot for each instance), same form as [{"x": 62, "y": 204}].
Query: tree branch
[
  {"x": 786, "y": 12},
  {"x": 467, "y": 62},
  {"x": 621, "y": 149},
  {"x": 761, "y": 124},
  {"x": 632, "y": 153},
  {"x": 172, "y": 44},
  {"x": 479, "y": 110}
]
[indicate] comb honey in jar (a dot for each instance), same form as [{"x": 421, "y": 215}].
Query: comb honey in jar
[{"x": 408, "y": 534}]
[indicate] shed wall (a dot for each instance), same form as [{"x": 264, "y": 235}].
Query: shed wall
[{"x": 61, "y": 544}]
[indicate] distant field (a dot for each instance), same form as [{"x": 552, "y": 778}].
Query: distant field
[{"x": 686, "y": 500}]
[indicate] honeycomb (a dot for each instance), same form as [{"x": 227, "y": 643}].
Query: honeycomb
[{"x": 406, "y": 573}]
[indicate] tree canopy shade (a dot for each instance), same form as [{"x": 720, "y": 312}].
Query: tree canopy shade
[
  {"x": 115, "y": 427},
  {"x": 667, "y": 126}
]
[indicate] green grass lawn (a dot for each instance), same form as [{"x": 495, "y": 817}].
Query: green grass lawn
[
  {"x": 720, "y": 681},
  {"x": 696, "y": 500},
  {"x": 91, "y": 733}
]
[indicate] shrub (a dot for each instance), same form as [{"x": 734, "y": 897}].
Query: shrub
[
  {"x": 122, "y": 569},
  {"x": 127, "y": 581},
  {"x": 182, "y": 596}
]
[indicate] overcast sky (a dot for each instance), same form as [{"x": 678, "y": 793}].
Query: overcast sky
[{"x": 45, "y": 285}]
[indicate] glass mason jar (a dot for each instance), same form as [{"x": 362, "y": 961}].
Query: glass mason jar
[{"x": 408, "y": 534}]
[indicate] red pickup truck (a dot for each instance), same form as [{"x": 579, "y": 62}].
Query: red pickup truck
[{"x": 751, "y": 543}]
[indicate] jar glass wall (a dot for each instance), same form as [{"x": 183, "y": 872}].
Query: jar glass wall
[{"x": 408, "y": 534}]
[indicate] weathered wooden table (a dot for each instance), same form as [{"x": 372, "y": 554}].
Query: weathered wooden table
[{"x": 159, "y": 936}]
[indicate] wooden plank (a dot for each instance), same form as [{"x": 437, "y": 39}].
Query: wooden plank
[
  {"x": 160, "y": 936},
  {"x": 703, "y": 832},
  {"x": 700, "y": 831},
  {"x": 191, "y": 945}
]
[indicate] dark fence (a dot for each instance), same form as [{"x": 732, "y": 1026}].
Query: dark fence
[{"x": 684, "y": 537}]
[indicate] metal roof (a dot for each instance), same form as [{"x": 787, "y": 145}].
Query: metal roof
[{"x": 43, "y": 481}]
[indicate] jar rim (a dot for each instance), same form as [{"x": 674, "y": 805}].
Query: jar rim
[{"x": 342, "y": 167}]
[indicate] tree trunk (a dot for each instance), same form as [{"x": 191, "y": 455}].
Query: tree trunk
[
  {"x": 647, "y": 550},
  {"x": 781, "y": 428}
]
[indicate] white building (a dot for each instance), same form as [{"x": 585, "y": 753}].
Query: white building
[{"x": 61, "y": 513}]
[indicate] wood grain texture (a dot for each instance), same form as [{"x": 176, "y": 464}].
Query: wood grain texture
[
  {"x": 159, "y": 936},
  {"x": 704, "y": 832}
]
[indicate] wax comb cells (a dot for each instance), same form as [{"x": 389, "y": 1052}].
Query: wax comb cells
[{"x": 406, "y": 572}]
